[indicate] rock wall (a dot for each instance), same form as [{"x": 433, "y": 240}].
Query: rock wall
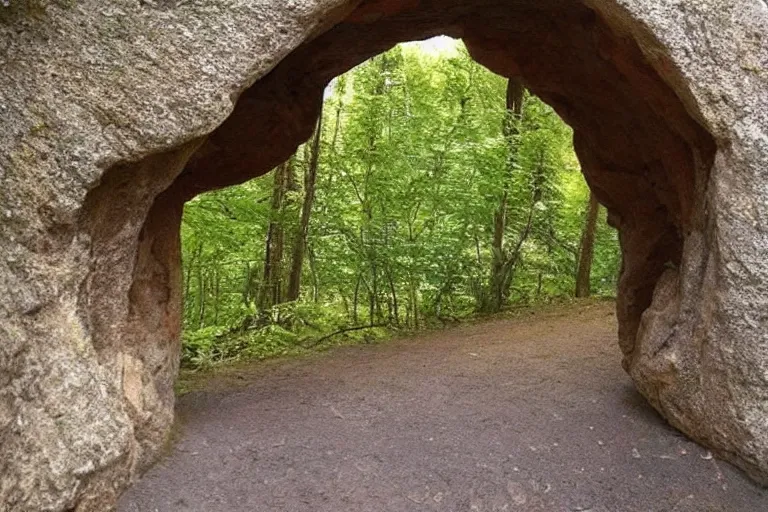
[{"x": 114, "y": 115}]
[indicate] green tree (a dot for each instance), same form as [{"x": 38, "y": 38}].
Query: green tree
[{"x": 432, "y": 189}]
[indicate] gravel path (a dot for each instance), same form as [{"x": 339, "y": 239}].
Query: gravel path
[{"x": 524, "y": 414}]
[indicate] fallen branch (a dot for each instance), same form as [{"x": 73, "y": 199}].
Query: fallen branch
[{"x": 342, "y": 331}]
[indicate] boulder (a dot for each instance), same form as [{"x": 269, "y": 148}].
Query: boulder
[{"x": 112, "y": 115}]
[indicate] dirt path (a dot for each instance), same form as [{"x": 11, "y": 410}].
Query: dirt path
[{"x": 530, "y": 414}]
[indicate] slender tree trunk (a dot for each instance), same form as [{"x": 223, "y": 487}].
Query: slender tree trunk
[
  {"x": 375, "y": 289},
  {"x": 408, "y": 314},
  {"x": 299, "y": 247},
  {"x": 500, "y": 266},
  {"x": 247, "y": 285},
  {"x": 356, "y": 299},
  {"x": 187, "y": 278},
  {"x": 199, "y": 310},
  {"x": 516, "y": 253},
  {"x": 587, "y": 249},
  {"x": 371, "y": 301},
  {"x": 270, "y": 293},
  {"x": 344, "y": 301},
  {"x": 201, "y": 289},
  {"x": 499, "y": 258},
  {"x": 339, "y": 110},
  {"x": 371, "y": 306},
  {"x": 313, "y": 271},
  {"x": 477, "y": 251},
  {"x": 186, "y": 307},
  {"x": 414, "y": 302},
  {"x": 393, "y": 291}
]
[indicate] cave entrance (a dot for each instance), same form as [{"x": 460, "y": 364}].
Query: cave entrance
[
  {"x": 644, "y": 156},
  {"x": 431, "y": 190}
]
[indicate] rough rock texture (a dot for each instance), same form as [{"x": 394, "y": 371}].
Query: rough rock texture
[{"x": 113, "y": 114}]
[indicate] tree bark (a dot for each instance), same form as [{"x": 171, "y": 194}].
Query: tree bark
[
  {"x": 393, "y": 291},
  {"x": 313, "y": 271},
  {"x": 201, "y": 289},
  {"x": 587, "y": 249},
  {"x": 414, "y": 299},
  {"x": 271, "y": 292},
  {"x": 299, "y": 247},
  {"x": 356, "y": 299},
  {"x": 499, "y": 264},
  {"x": 200, "y": 299}
]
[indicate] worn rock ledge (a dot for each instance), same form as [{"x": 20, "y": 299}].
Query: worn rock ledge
[{"x": 113, "y": 114}]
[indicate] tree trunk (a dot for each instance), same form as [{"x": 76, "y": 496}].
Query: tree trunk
[
  {"x": 587, "y": 249},
  {"x": 393, "y": 292},
  {"x": 270, "y": 293},
  {"x": 500, "y": 264},
  {"x": 201, "y": 289},
  {"x": 299, "y": 247},
  {"x": 313, "y": 271},
  {"x": 342, "y": 86},
  {"x": 515, "y": 254},
  {"x": 345, "y": 302},
  {"x": 356, "y": 299},
  {"x": 199, "y": 310},
  {"x": 414, "y": 301},
  {"x": 371, "y": 300},
  {"x": 499, "y": 257}
]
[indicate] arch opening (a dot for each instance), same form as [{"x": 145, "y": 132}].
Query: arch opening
[{"x": 434, "y": 190}]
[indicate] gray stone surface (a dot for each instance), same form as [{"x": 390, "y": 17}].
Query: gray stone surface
[
  {"x": 84, "y": 86},
  {"x": 101, "y": 105},
  {"x": 702, "y": 354}
]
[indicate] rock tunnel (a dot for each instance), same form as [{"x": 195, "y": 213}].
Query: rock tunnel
[{"x": 670, "y": 128}]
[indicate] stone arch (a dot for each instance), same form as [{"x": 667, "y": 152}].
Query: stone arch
[{"x": 666, "y": 144}]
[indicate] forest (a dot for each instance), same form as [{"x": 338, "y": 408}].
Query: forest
[{"x": 432, "y": 191}]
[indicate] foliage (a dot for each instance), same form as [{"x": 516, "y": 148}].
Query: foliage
[{"x": 416, "y": 157}]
